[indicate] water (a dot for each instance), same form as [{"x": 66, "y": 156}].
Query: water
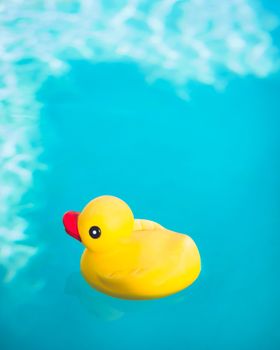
[{"x": 205, "y": 164}]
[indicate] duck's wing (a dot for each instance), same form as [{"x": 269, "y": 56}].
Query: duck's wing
[
  {"x": 146, "y": 225},
  {"x": 158, "y": 252},
  {"x": 124, "y": 279},
  {"x": 124, "y": 274},
  {"x": 149, "y": 252}
]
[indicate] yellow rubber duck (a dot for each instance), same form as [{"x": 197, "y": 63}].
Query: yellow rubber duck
[{"x": 131, "y": 258}]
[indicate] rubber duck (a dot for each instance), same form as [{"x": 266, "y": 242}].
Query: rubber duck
[{"x": 131, "y": 258}]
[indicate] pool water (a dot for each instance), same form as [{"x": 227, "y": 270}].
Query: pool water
[{"x": 207, "y": 166}]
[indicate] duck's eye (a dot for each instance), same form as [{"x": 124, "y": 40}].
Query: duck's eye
[{"x": 95, "y": 232}]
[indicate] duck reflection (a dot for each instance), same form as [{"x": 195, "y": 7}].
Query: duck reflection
[{"x": 109, "y": 309}]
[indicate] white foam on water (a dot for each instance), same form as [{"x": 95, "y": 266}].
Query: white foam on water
[{"x": 179, "y": 41}]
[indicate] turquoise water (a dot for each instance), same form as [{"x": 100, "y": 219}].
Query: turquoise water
[{"x": 207, "y": 165}]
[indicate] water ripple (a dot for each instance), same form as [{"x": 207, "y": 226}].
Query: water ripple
[{"x": 179, "y": 41}]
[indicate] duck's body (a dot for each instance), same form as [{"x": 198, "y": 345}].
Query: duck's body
[{"x": 151, "y": 262}]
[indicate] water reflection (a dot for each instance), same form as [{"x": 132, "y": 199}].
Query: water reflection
[{"x": 109, "y": 309}]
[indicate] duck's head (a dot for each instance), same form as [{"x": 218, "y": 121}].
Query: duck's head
[{"x": 103, "y": 223}]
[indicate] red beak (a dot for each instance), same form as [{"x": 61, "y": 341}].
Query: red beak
[{"x": 70, "y": 222}]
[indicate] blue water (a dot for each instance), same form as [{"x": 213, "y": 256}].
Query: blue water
[{"x": 207, "y": 166}]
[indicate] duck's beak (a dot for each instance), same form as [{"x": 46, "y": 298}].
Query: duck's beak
[{"x": 70, "y": 222}]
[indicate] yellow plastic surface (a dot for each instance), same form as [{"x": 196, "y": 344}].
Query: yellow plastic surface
[{"x": 134, "y": 259}]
